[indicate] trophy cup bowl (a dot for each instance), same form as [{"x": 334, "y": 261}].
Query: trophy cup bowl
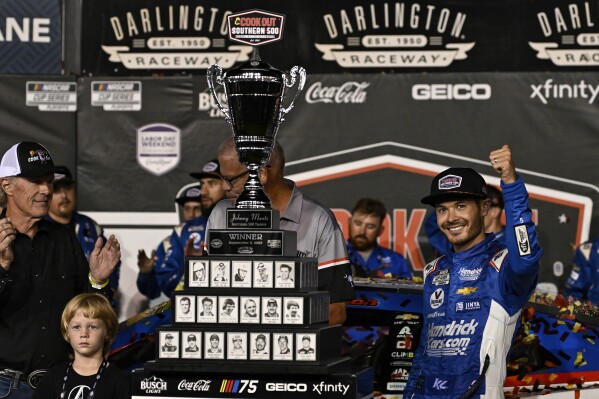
[{"x": 255, "y": 92}]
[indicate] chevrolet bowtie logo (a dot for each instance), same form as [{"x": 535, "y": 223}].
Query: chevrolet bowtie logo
[{"x": 466, "y": 290}]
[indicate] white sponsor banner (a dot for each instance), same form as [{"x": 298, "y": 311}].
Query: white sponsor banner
[
  {"x": 398, "y": 58},
  {"x": 116, "y": 95},
  {"x": 176, "y": 60},
  {"x": 566, "y": 57},
  {"x": 52, "y": 96}
]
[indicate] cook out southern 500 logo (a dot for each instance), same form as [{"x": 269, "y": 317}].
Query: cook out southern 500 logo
[{"x": 397, "y": 34}]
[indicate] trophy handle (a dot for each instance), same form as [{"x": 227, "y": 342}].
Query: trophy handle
[
  {"x": 302, "y": 80},
  {"x": 218, "y": 71}
]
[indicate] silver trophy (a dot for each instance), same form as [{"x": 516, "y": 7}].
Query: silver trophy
[{"x": 255, "y": 92}]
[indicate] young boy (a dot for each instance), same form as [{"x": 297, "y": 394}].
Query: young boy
[{"x": 89, "y": 325}]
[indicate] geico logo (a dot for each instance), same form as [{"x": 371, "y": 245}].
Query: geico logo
[
  {"x": 460, "y": 91},
  {"x": 286, "y": 387}
]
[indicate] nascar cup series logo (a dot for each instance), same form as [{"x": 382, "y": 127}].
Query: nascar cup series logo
[
  {"x": 386, "y": 35},
  {"x": 158, "y": 147},
  {"x": 569, "y": 34}
]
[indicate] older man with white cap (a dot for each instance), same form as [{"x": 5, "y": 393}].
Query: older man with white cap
[{"x": 42, "y": 266}]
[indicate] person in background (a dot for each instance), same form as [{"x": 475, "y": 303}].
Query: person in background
[
  {"x": 191, "y": 204},
  {"x": 63, "y": 210},
  {"x": 583, "y": 282},
  {"x": 169, "y": 273},
  {"x": 368, "y": 258},
  {"x": 42, "y": 267},
  {"x": 318, "y": 234},
  {"x": 89, "y": 325},
  {"x": 473, "y": 296},
  {"x": 492, "y": 223}
]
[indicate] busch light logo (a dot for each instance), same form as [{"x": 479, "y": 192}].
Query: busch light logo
[
  {"x": 206, "y": 103},
  {"x": 158, "y": 147},
  {"x": 153, "y": 384}
]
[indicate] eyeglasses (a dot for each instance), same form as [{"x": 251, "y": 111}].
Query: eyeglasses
[{"x": 231, "y": 180}]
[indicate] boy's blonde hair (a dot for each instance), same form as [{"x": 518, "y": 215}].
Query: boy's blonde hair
[{"x": 93, "y": 306}]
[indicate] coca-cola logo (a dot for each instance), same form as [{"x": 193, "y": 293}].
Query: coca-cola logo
[
  {"x": 348, "y": 92},
  {"x": 199, "y": 385}
]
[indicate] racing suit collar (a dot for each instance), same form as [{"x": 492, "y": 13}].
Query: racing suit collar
[{"x": 475, "y": 250}]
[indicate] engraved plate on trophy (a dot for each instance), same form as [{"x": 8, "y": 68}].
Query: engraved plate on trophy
[
  {"x": 239, "y": 219},
  {"x": 254, "y": 242},
  {"x": 255, "y": 93}
]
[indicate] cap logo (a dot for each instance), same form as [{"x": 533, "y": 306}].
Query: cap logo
[
  {"x": 38, "y": 155},
  {"x": 210, "y": 167},
  {"x": 193, "y": 192},
  {"x": 450, "y": 182}
]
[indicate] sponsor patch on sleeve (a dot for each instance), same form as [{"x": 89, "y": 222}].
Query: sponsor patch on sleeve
[
  {"x": 498, "y": 259},
  {"x": 522, "y": 240},
  {"x": 431, "y": 267}
]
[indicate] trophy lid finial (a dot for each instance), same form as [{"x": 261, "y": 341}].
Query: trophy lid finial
[{"x": 255, "y": 57}]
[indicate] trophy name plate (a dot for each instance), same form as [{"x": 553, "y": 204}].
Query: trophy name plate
[
  {"x": 254, "y": 219},
  {"x": 255, "y": 242}
]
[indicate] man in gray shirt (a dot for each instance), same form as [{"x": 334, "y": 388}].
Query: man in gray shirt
[{"x": 318, "y": 234}]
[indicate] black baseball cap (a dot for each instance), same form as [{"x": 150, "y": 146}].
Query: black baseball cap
[
  {"x": 191, "y": 337},
  {"x": 169, "y": 336},
  {"x": 495, "y": 196},
  {"x": 192, "y": 193},
  {"x": 460, "y": 182},
  {"x": 210, "y": 169},
  {"x": 261, "y": 336},
  {"x": 27, "y": 159},
  {"x": 66, "y": 180}
]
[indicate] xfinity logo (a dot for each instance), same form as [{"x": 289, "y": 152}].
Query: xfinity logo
[
  {"x": 324, "y": 387},
  {"x": 301, "y": 387},
  {"x": 459, "y": 91},
  {"x": 549, "y": 90},
  {"x": 347, "y": 93}
]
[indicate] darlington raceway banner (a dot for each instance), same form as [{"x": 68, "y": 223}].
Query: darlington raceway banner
[
  {"x": 30, "y": 37},
  {"x": 172, "y": 37},
  {"x": 356, "y": 135}
]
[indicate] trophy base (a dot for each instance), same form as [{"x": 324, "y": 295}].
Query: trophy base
[
  {"x": 254, "y": 219},
  {"x": 255, "y": 242}
]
